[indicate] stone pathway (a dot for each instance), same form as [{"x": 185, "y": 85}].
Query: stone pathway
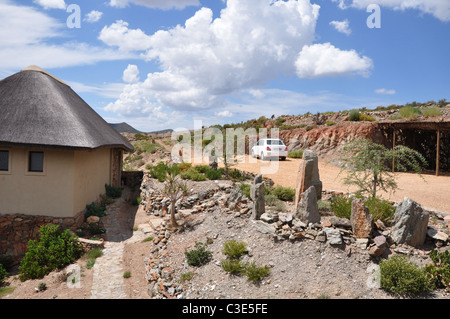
[{"x": 108, "y": 281}]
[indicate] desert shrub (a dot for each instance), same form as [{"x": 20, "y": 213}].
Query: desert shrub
[
  {"x": 284, "y": 193},
  {"x": 3, "y": 274},
  {"x": 93, "y": 210},
  {"x": 323, "y": 205},
  {"x": 233, "y": 266},
  {"x": 234, "y": 249},
  {"x": 432, "y": 112},
  {"x": 213, "y": 174},
  {"x": 380, "y": 209},
  {"x": 409, "y": 112},
  {"x": 400, "y": 276},
  {"x": 354, "y": 115},
  {"x": 296, "y": 154},
  {"x": 113, "y": 192},
  {"x": 330, "y": 123},
  {"x": 198, "y": 256},
  {"x": 341, "y": 206},
  {"x": 255, "y": 272},
  {"x": 160, "y": 170},
  {"x": 245, "y": 188},
  {"x": 201, "y": 168},
  {"x": 366, "y": 117},
  {"x": 274, "y": 203},
  {"x": 127, "y": 274},
  {"x": 237, "y": 175},
  {"x": 186, "y": 276},
  {"x": 193, "y": 175},
  {"x": 95, "y": 229},
  {"x": 279, "y": 121},
  {"x": 184, "y": 166},
  {"x": 53, "y": 250},
  {"x": 439, "y": 271}
]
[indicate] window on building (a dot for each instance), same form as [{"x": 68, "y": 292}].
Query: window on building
[
  {"x": 36, "y": 162},
  {"x": 4, "y": 161}
]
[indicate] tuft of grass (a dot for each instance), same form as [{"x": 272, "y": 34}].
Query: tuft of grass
[
  {"x": 256, "y": 273},
  {"x": 233, "y": 266},
  {"x": 295, "y": 154},
  {"x": 127, "y": 274},
  {"x": 234, "y": 249},
  {"x": 147, "y": 239},
  {"x": 432, "y": 112},
  {"x": 198, "y": 256},
  {"x": 187, "y": 276},
  {"x": 4, "y": 291},
  {"x": 284, "y": 193},
  {"x": 409, "y": 112}
]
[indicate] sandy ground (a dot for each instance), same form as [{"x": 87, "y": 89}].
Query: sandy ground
[{"x": 429, "y": 190}]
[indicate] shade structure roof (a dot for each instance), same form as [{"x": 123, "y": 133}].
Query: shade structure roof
[{"x": 39, "y": 110}]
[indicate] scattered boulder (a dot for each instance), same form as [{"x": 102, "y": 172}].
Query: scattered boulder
[
  {"x": 308, "y": 175},
  {"x": 257, "y": 196},
  {"x": 361, "y": 220},
  {"x": 437, "y": 235},
  {"x": 308, "y": 210},
  {"x": 334, "y": 236},
  {"x": 410, "y": 223}
]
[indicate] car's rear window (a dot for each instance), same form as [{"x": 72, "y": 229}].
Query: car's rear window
[{"x": 274, "y": 142}]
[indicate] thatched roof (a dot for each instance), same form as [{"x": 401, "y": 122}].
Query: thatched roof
[{"x": 39, "y": 110}]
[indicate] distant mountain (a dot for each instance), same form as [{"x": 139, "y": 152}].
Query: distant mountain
[
  {"x": 127, "y": 128},
  {"x": 124, "y": 128}
]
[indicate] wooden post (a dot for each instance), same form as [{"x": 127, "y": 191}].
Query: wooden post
[
  {"x": 437, "y": 152},
  {"x": 393, "y": 146}
]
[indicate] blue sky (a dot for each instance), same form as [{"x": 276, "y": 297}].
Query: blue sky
[{"x": 159, "y": 64}]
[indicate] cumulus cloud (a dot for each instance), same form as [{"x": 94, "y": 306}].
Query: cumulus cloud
[
  {"x": 93, "y": 16},
  {"x": 26, "y": 36},
  {"x": 342, "y": 26},
  {"x": 319, "y": 60},
  {"x": 225, "y": 113},
  {"x": 51, "y": 4},
  {"x": 385, "y": 91},
  {"x": 438, "y": 8},
  {"x": 131, "y": 74},
  {"x": 206, "y": 59},
  {"x": 156, "y": 4}
]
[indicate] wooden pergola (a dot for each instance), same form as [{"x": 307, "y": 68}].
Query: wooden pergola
[{"x": 395, "y": 130}]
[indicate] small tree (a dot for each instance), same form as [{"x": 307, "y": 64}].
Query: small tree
[
  {"x": 369, "y": 165},
  {"x": 175, "y": 188}
]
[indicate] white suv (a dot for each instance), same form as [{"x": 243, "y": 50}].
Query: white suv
[{"x": 266, "y": 148}]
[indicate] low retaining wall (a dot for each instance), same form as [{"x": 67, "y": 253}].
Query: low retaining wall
[{"x": 17, "y": 230}]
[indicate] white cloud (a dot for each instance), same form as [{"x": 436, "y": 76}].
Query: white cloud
[
  {"x": 385, "y": 91},
  {"x": 93, "y": 16},
  {"x": 156, "y": 4},
  {"x": 438, "y": 8},
  {"x": 319, "y": 60},
  {"x": 26, "y": 36},
  {"x": 119, "y": 35},
  {"x": 206, "y": 59},
  {"x": 51, "y": 4},
  {"x": 342, "y": 26},
  {"x": 225, "y": 113},
  {"x": 110, "y": 90},
  {"x": 131, "y": 74}
]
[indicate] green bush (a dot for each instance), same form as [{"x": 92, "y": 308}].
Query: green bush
[
  {"x": 330, "y": 123},
  {"x": 93, "y": 210},
  {"x": 113, "y": 192},
  {"x": 213, "y": 174},
  {"x": 439, "y": 271},
  {"x": 400, "y": 276},
  {"x": 354, "y": 115},
  {"x": 274, "y": 203},
  {"x": 53, "y": 250},
  {"x": 3, "y": 274},
  {"x": 295, "y": 154},
  {"x": 284, "y": 193},
  {"x": 254, "y": 272},
  {"x": 233, "y": 266},
  {"x": 245, "y": 188},
  {"x": 341, "y": 206},
  {"x": 432, "y": 112},
  {"x": 160, "y": 170},
  {"x": 201, "y": 168},
  {"x": 198, "y": 256},
  {"x": 380, "y": 209},
  {"x": 234, "y": 249},
  {"x": 366, "y": 117},
  {"x": 193, "y": 175},
  {"x": 409, "y": 112}
]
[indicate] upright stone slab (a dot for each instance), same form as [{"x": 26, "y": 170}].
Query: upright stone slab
[
  {"x": 257, "y": 196},
  {"x": 361, "y": 220},
  {"x": 410, "y": 223},
  {"x": 307, "y": 176},
  {"x": 308, "y": 210}
]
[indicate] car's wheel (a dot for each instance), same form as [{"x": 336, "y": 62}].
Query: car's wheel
[{"x": 283, "y": 158}]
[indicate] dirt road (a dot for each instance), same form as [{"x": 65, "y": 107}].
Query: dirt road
[{"x": 430, "y": 191}]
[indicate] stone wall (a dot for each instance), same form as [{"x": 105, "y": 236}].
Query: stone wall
[{"x": 17, "y": 230}]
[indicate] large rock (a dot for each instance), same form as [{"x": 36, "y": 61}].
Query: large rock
[
  {"x": 410, "y": 223},
  {"x": 307, "y": 176},
  {"x": 307, "y": 210},
  {"x": 257, "y": 196},
  {"x": 333, "y": 236},
  {"x": 361, "y": 220}
]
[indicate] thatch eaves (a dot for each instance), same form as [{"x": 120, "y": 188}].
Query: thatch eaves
[{"x": 39, "y": 110}]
